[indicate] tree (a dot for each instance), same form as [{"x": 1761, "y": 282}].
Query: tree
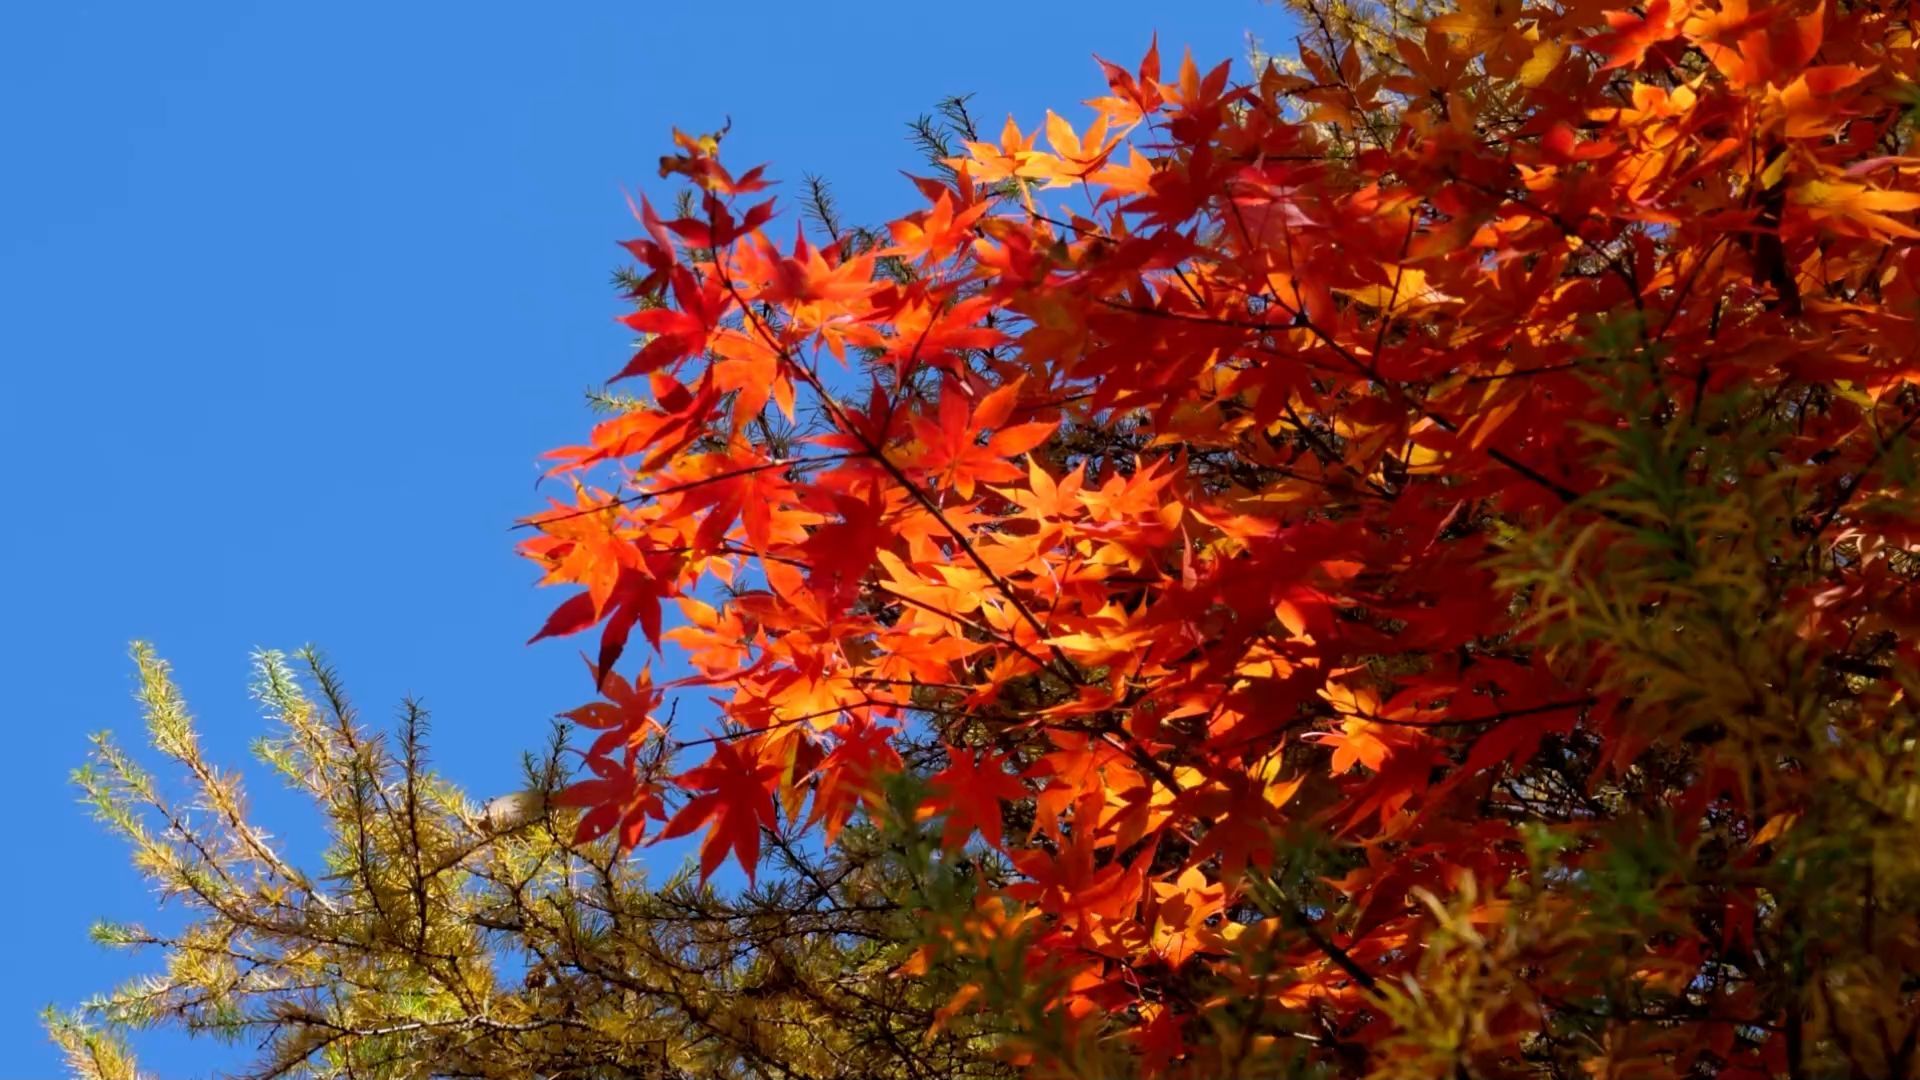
[
  {"x": 1399, "y": 565},
  {"x": 447, "y": 939}
]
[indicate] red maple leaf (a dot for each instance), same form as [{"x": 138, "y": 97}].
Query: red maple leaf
[
  {"x": 968, "y": 792},
  {"x": 735, "y": 802}
]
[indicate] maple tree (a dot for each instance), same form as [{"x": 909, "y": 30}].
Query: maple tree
[
  {"x": 1404, "y": 558},
  {"x": 443, "y": 938}
]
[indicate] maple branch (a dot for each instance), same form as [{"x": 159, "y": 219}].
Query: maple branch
[
  {"x": 1562, "y": 491},
  {"x": 1686, "y": 287},
  {"x": 1491, "y": 718},
  {"x": 1328, "y": 453},
  {"x": 1393, "y": 297},
  {"x": 1340, "y": 957},
  {"x": 1295, "y": 915},
  {"x": 875, "y": 680},
  {"x": 1361, "y": 116},
  {"x": 1544, "y": 369},
  {"x": 1851, "y": 486},
  {"x": 1626, "y": 273},
  {"x": 536, "y": 521},
  {"x": 1300, "y": 318},
  {"x": 982, "y": 628},
  {"x": 729, "y": 736}
]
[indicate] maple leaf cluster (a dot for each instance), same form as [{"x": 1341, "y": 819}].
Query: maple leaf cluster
[{"x": 1333, "y": 527}]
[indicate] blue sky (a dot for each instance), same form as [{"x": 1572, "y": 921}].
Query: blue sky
[{"x": 292, "y": 296}]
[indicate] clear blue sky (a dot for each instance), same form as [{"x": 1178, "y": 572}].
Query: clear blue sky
[{"x": 292, "y": 295}]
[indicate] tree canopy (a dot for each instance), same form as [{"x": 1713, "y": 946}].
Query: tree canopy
[{"x": 1403, "y": 556}]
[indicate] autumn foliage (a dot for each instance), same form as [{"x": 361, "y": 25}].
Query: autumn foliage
[
  {"x": 439, "y": 937},
  {"x": 1404, "y": 557}
]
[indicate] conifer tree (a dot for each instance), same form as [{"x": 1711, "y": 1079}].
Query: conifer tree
[{"x": 442, "y": 937}]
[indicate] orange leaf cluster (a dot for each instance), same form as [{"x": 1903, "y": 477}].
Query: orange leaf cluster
[{"x": 1155, "y": 468}]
